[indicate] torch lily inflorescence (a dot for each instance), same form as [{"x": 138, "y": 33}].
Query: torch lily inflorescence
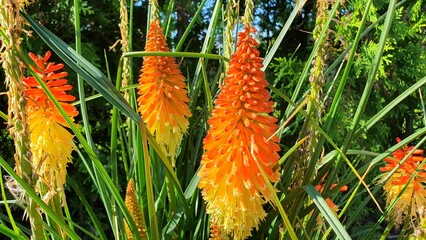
[
  {"x": 163, "y": 96},
  {"x": 51, "y": 143},
  {"x": 240, "y": 145}
]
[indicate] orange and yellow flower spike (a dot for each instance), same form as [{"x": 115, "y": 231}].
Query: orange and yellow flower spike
[
  {"x": 239, "y": 135},
  {"x": 163, "y": 96},
  {"x": 51, "y": 144},
  {"x": 414, "y": 197}
]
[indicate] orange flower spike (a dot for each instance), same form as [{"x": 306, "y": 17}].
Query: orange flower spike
[
  {"x": 237, "y": 143},
  {"x": 51, "y": 143},
  {"x": 163, "y": 96}
]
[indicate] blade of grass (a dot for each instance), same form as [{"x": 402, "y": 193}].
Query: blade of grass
[
  {"x": 175, "y": 54},
  {"x": 150, "y": 194},
  {"x": 423, "y": 106},
  {"x": 271, "y": 53},
  {"x": 190, "y": 26},
  {"x": 6, "y": 205},
  {"x": 168, "y": 17},
  {"x": 291, "y": 150},
  {"x": 94, "y": 219},
  {"x": 81, "y": 95},
  {"x": 3, "y": 115},
  {"x": 328, "y": 214},
  {"x": 30, "y": 192},
  {"x": 206, "y": 87},
  {"x": 275, "y": 198},
  {"x": 24, "y": 232},
  {"x": 207, "y": 47},
  {"x": 376, "y": 118},
  {"x": 7, "y": 232}
]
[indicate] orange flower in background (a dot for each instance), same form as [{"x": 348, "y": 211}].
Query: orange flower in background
[
  {"x": 163, "y": 96},
  {"x": 51, "y": 144},
  {"x": 238, "y": 142},
  {"x": 413, "y": 198}
]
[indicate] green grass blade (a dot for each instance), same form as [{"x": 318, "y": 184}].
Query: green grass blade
[
  {"x": 153, "y": 143},
  {"x": 328, "y": 214},
  {"x": 3, "y": 115},
  {"x": 189, "y": 27},
  {"x": 207, "y": 47},
  {"x": 6, "y": 205},
  {"x": 367, "y": 90},
  {"x": 275, "y": 200},
  {"x": 271, "y": 53},
  {"x": 175, "y": 54},
  {"x": 372, "y": 121},
  {"x": 83, "y": 108},
  {"x": 372, "y": 75},
  {"x": 30, "y": 192},
  {"x": 206, "y": 87},
  {"x": 168, "y": 17},
  {"x": 149, "y": 186},
  {"x": 7, "y": 232},
  {"x": 94, "y": 219}
]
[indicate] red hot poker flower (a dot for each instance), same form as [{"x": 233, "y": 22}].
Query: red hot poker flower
[
  {"x": 51, "y": 144},
  {"x": 237, "y": 142},
  {"x": 163, "y": 96}
]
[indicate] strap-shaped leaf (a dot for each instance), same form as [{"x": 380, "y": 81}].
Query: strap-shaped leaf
[
  {"x": 329, "y": 216},
  {"x": 80, "y": 65}
]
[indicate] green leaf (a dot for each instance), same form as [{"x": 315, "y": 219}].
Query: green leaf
[{"x": 328, "y": 214}]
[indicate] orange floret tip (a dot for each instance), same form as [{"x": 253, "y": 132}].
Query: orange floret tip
[
  {"x": 240, "y": 139},
  {"x": 162, "y": 94},
  {"x": 56, "y": 82}
]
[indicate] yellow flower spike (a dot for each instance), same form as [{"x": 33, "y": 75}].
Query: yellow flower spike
[
  {"x": 51, "y": 144},
  {"x": 240, "y": 125},
  {"x": 135, "y": 211},
  {"x": 163, "y": 96}
]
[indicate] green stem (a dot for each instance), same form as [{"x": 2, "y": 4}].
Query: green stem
[{"x": 149, "y": 188}]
